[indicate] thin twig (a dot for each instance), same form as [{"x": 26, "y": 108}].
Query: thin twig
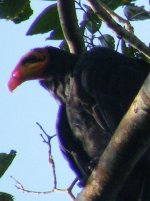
[
  {"x": 125, "y": 22},
  {"x": 19, "y": 186},
  {"x": 47, "y": 140},
  {"x": 119, "y": 30}
]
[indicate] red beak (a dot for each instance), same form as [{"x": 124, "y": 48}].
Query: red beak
[{"x": 15, "y": 80}]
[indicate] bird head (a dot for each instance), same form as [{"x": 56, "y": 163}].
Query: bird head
[
  {"x": 51, "y": 66},
  {"x": 30, "y": 67}
]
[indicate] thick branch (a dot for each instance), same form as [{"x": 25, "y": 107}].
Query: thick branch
[
  {"x": 126, "y": 23},
  {"x": 128, "y": 144},
  {"x": 70, "y": 28},
  {"x": 101, "y": 12}
]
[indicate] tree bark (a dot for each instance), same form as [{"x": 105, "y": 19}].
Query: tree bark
[
  {"x": 99, "y": 9},
  {"x": 129, "y": 142},
  {"x": 70, "y": 27}
]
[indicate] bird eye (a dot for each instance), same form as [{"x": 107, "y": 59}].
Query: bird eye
[{"x": 32, "y": 59}]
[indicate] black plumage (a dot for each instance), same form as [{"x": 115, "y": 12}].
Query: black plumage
[
  {"x": 94, "y": 91},
  {"x": 103, "y": 85}
]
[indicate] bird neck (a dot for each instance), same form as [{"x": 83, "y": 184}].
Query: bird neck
[
  {"x": 59, "y": 88},
  {"x": 59, "y": 83}
]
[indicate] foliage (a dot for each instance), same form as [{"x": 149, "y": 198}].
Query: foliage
[
  {"x": 21, "y": 10},
  {"x": 133, "y": 12},
  {"x": 47, "y": 21},
  {"x": 6, "y": 197},
  {"x": 132, "y": 52},
  {"x": 90, "y": 24},
  {"x": 116, "y": 3},
  {"x": 5, "y": 162}
]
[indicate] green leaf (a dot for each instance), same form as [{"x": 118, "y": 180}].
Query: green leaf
[
  {"x": 91, "y": 21},
  {"x": 133, "y": 12},
  {"x": 47, "y": 21},
  {"x": 6, "y": 197},
  {"x": 56, "y": 35},
  {"x": 24, "y": 15},
  {"x": 6, "y": 160},
  {"x": 63, "y": 46},
  {"x": 132, "y": 52},
  {"x": 15, "y": 10},
  {"x": 116, "y": 3},
  {"x": 107, "y": 41},
  {"x": 112, "y": 4}
]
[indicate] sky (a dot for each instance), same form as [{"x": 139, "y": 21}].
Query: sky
[
  {"x": 20, "y": 111},
  {"x": 28, "y": 104}
]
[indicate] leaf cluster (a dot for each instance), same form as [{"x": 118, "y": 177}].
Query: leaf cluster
[
  {"x": 90, "y": 25},
  {"x": 15, "y": 10},
  {"x": 5, "y": 162}
]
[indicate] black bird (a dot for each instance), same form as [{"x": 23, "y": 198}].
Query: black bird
[{"x": 94, "y": 91}]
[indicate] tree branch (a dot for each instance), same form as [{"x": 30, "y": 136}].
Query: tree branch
[
  {"x": 125, "y": 22},
  {"x": 100, "y": 10},
  {"x": 70, "y": 28},
  {"x": 47, "y": 139},
  {"x": 129, "y": 142}
]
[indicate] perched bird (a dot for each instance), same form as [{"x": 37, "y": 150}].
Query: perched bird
[{"x": 94, "y": 91}]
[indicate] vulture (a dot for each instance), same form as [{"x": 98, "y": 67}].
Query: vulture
[{"x": 94, "y": 91}]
